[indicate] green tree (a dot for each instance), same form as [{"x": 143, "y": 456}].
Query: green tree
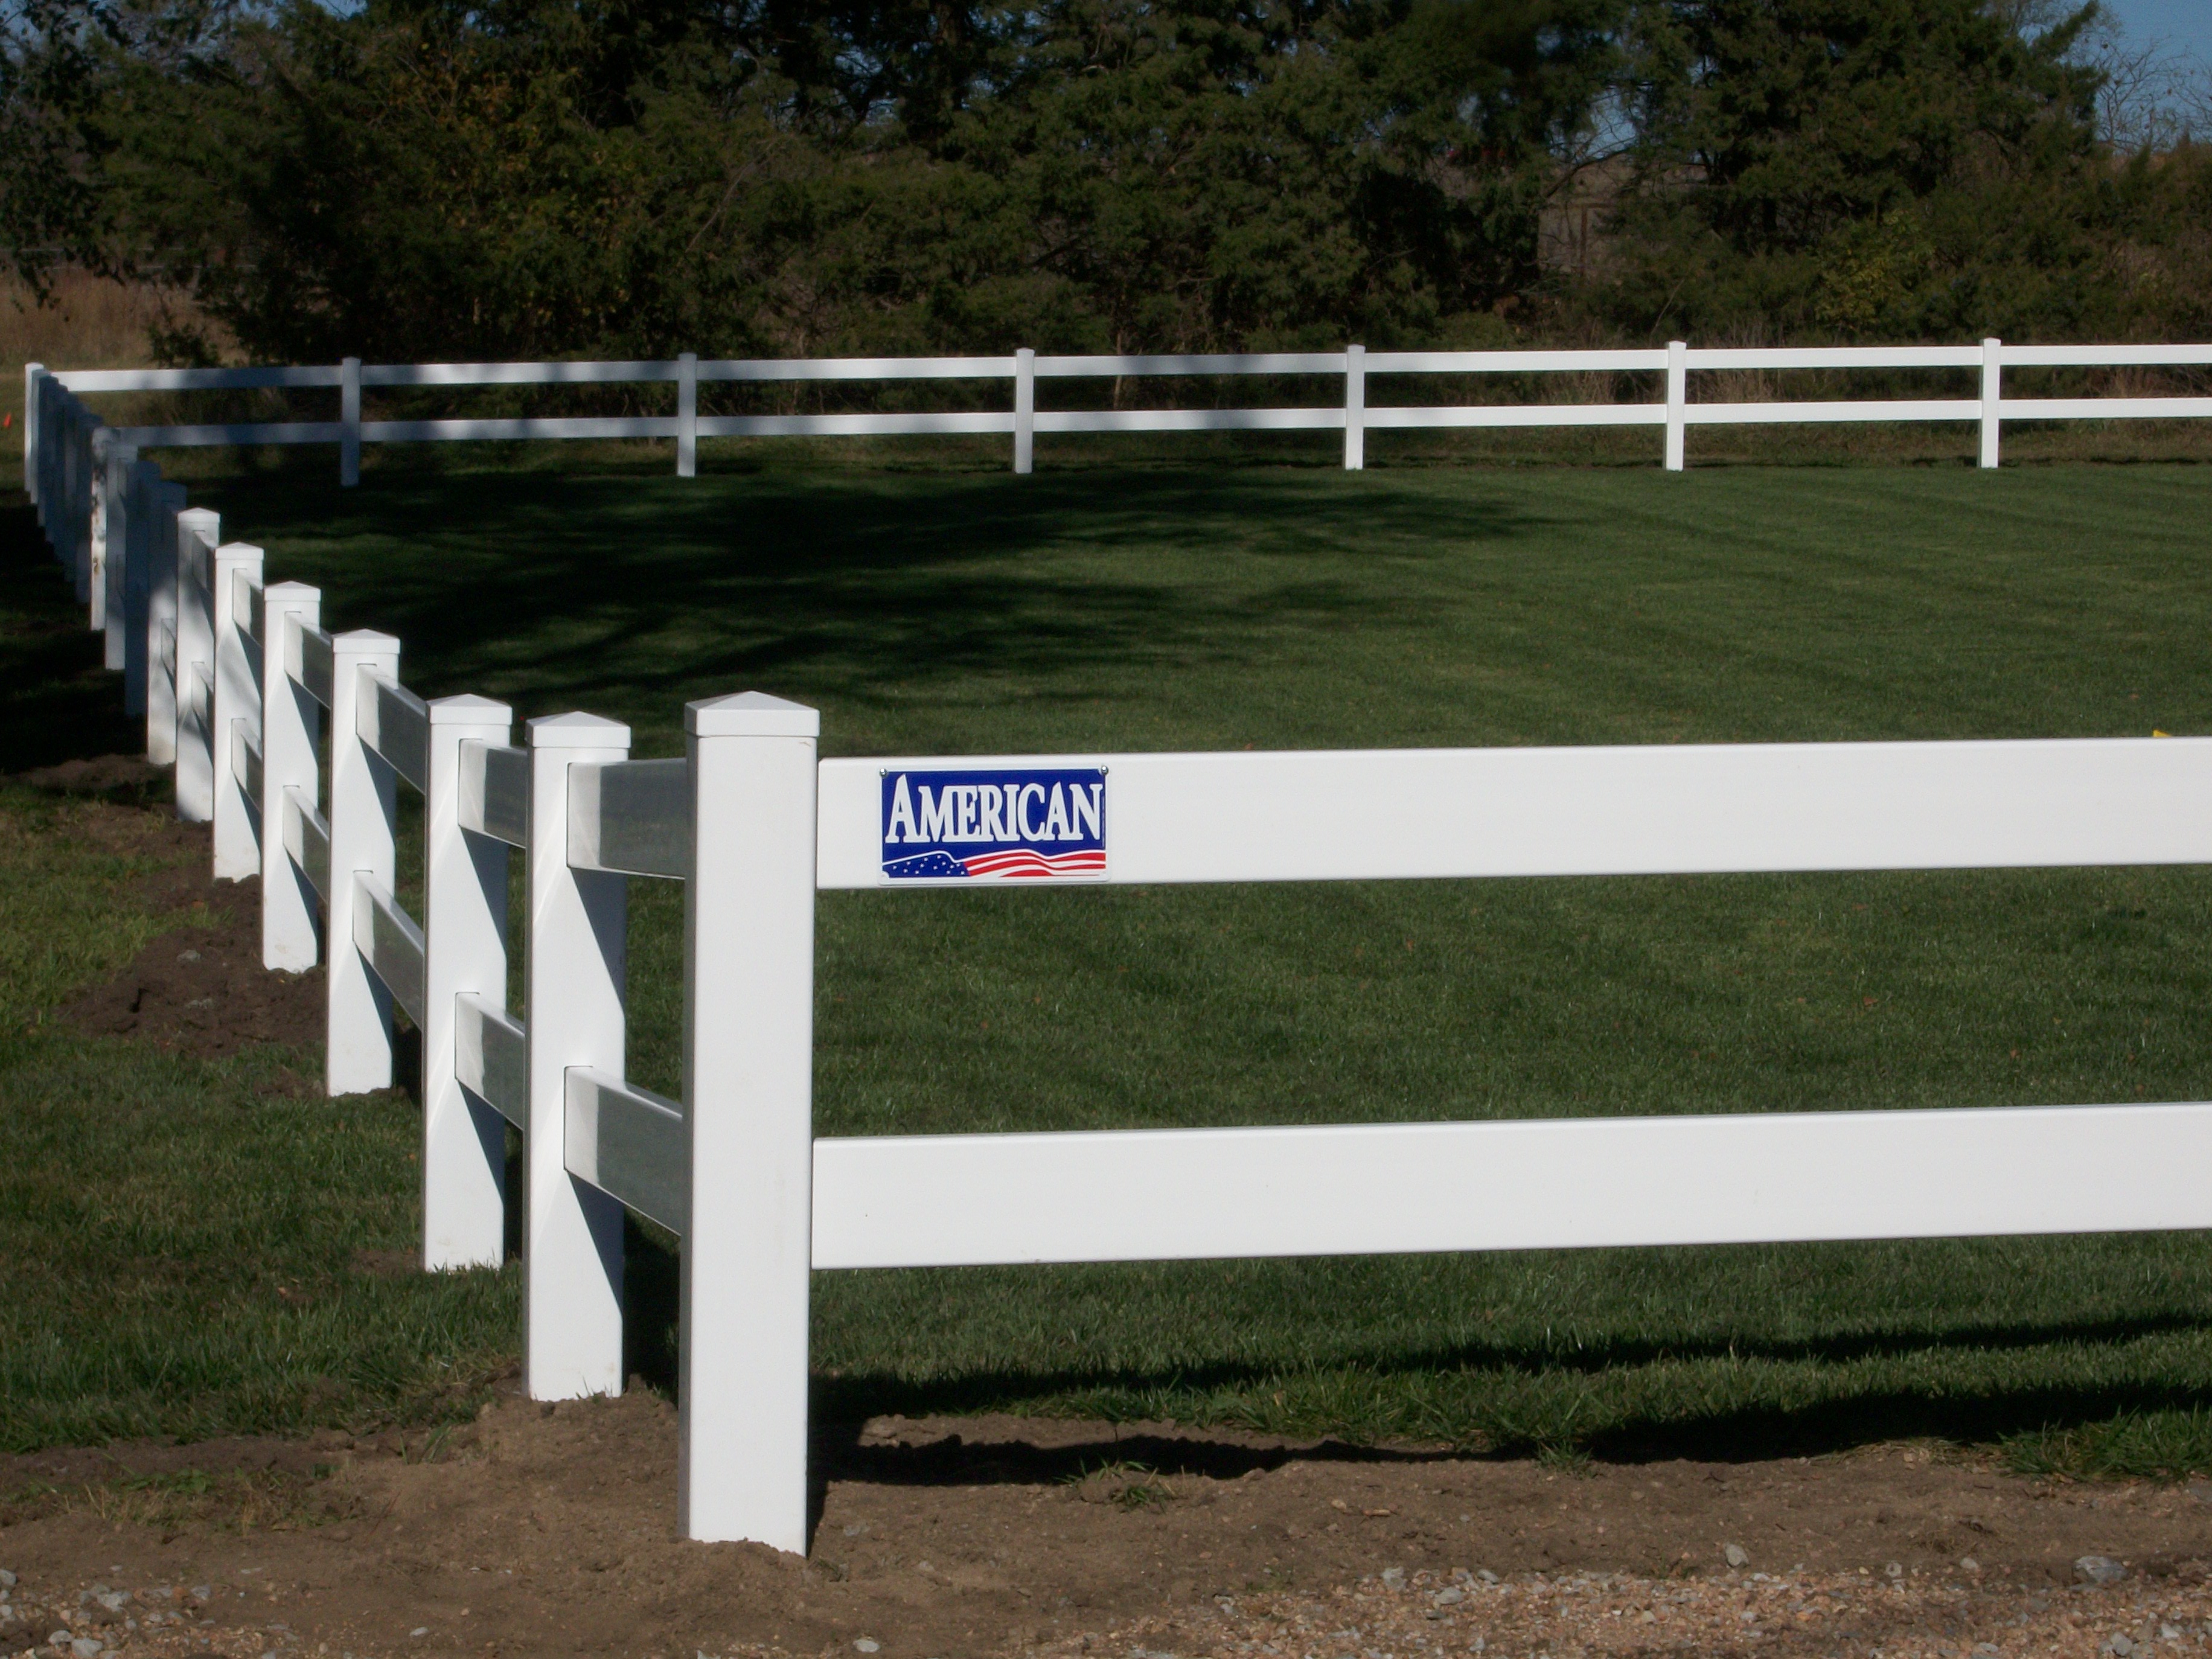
[{"x": 1886, "y": 168}]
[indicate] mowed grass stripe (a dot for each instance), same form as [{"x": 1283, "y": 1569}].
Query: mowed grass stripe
[{"x": 1286, "y": 608}]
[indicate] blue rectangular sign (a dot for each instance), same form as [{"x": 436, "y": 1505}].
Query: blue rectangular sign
[{"x": 994, "y": 825}]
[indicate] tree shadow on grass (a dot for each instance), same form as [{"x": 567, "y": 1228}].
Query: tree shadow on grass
[
  {"x": 630, "y": 595},
  {"x": 56, "y": 702},
  {"x": 1734, "y": 1433},
  {"x": 1740, "y": 1435}
]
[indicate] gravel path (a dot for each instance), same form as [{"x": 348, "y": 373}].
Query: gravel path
[
  {"x": 1392, "y": 1615},
  {"x": 1909, "y": 1616}
]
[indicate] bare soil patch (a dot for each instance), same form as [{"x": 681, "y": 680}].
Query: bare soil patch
[
  {"x": 551, "y": 1530},
  {"x": 200, "y": 988}
]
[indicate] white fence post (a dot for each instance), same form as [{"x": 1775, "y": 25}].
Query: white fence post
[
  {"x": 115, "y": 525},
  {"x": 748, "y": 1093},
  {"x": 237, "y": 715},
  {"x": 349, "y": 422},
  {"x": 50, "y": 450},
  {"x": 574, "y": 964},
  {"x": 77, "y": 455},
  {"x": 96, "y": 532},
  {"x": 464, "y": 951},
  {"x": 33, "y": 391},
  {"x": 141, "y": 487},
  {"x": 168, "y": 502},
  {"x": 52, "y": 406},
  {"x": 1024, "y": 410},
  {"x": 364, "y": 819},
  {"x": 1355, "y": 408},
  {"x": 1678, "y": 400},
  {"x": 291, "y": 734},
  {"x": 197, "y": 532},
  {"x": 687, "y": 416},
  {"x": 85, "y": 429},
  {"x": 53, "y": 447},
  {"x": 1992, "y": 397}
]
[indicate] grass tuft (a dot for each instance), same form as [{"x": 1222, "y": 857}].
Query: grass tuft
[{"x": 2169, "y": 1445}]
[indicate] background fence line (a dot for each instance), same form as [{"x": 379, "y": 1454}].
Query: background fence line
[{"x": 1355, "y": 414}]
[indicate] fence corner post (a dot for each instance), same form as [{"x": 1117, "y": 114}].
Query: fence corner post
[
  {"x": 687, "y": 416},
  {"x": 236, "y": 717},
  {"x": 364, "y": 820},
  {"x": 465, "y": 934},
  {"x": 349, "y": 422},
  {"x": 291, "y": 746},
  {"x": 748, "y": 1105},
  {"x": 1355, "y": 408},
  {"x": 1678, "y": 401},
  {"x": 1024, "y": 411},
  {"x": 574, "y": 964},
  {"x": 1992, "y": 398}
]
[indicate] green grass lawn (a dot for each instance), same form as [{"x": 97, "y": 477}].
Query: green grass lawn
[{"x": 1279, "y": 607}]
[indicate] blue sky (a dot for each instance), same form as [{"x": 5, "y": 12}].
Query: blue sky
[{"x": 2184, "y": 23}]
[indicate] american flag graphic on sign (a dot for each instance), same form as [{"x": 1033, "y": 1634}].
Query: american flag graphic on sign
[{"x": 1004, "y": 825}]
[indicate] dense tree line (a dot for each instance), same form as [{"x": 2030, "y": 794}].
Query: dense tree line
[{"x": 424, "y": 179}]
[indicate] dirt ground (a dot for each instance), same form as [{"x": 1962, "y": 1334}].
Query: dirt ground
[
  {"x": 551, "y": 1530},
  {"x": 169, "y": 993},
  {"x": 540, "y": 1530}
]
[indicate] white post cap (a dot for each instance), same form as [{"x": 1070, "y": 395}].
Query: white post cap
[
  {"x": 751, "y": 714},
  {"x": 365, "y": 641},
  {"x": 577, "y": 730},
  {"x": 469, "y": 709}
]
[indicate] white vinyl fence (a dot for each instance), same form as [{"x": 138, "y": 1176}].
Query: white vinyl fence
[
  {"x": 1670, "y": 370},
  {"x": 241, "y": 683}
]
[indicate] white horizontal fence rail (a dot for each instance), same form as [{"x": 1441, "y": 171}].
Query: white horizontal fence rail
[
  {"x": 1354, "y": 412},
  {"x": 1754, "y": 1177},
  {"x": 1381, "y": 814},
  {"x": 239, "y": 678}
]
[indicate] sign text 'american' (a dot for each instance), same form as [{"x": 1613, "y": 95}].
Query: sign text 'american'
[{"x": 994, "y": 826}]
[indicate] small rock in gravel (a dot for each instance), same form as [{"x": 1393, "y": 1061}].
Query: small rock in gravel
[
  {"x": 7, "y": 1579},
  {"x": 869, "y": 1645},
  {"x": 87, "y": 1647},
  {"x": 1446, "y": 1598},
  {"x": 202, "y": 1592},
  {"x": 1967, "y": 1563},
  {"x": 1393, "y": 1576},
  {"x": 1894, "y": 1569},
  {"x": 2099, "y": 1570},
  {"x": 1736, "y": 1555},
  {"x": 2121, "y": 1646},
  {"x": 1485, "y": 1574},
  {"x": 420, "y": 1630}
]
